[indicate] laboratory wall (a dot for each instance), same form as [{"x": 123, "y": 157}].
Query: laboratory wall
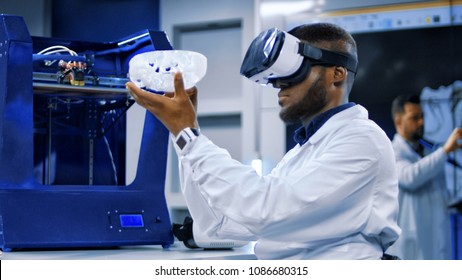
[
  {"x": 37, "y": 14},
  {"x": 88, "y": 20},
  {"x": 222, "y": 31},
  {"x": 103, "y": 20},
  {"x": 405, "y": 62}
]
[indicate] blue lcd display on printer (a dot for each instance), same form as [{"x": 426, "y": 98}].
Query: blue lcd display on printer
[{"x": 131, "y": 220}]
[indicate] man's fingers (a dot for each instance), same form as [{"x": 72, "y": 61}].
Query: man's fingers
[
  {"x": 156, "y": 102},
  {"x": 134, "y": 90},
  {"x": 169, "y": 94},
  {"x": 146, "y": 99},
  {"x": 179, "y": 85},
  {"x": 175, "y": 112},
  {"x": 191, "y": 91}
]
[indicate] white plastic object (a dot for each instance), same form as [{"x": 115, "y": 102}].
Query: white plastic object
[{"x": 155, "y": 70}]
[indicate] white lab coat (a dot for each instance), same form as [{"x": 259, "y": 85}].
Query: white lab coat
[
  {"x": 423, "y": 217},
  {"x": 335, "y": 197}
]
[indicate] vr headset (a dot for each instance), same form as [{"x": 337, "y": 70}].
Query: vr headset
[{"x": 281, "y": 59}]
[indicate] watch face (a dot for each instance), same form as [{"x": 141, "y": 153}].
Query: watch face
[
  {"x": 186, "y": 135},
  {"x": 181, "y": 142}
]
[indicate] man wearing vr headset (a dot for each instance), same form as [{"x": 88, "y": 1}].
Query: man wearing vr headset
[{"x": 333, "y": 196}]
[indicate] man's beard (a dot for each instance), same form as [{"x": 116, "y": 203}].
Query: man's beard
[
  {"x": 314, "y": 100},
  {"x": 418, "y": 134}
]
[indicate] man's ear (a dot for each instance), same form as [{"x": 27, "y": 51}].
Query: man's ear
[
  {"x": 340, "y": 73},
  {"x": 397, "y": 120}
]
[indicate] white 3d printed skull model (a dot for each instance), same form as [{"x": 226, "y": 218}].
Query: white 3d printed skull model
[{"x": 155, "y": 70}]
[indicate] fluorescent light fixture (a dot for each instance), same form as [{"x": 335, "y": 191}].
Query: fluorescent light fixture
[
  {"x": 285, "y": 8},
  {"x": 132, "y": 39}
]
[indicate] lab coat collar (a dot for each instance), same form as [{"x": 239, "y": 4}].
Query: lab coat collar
[
  {"x": 303, "y": 134},
  {"x": 339, "y": 120},
  {"x": 409, "y": 150}
]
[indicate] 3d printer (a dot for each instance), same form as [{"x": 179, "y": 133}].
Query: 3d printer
[{"x": 63, "y": 145}]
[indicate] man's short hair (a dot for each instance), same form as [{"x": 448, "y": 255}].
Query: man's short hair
[
  {"x": 327, "y": 32},
  {"x": 330, "y": 37},
  {"x": 397, "y": 107}
]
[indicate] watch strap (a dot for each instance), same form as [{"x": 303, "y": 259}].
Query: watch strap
[{"x": 186, "y": 136}]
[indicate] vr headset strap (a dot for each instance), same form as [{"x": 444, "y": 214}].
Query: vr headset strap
[{"x": 328, "y": 56}]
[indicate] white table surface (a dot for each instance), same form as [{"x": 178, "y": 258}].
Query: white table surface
[{"x": 145, "y": 252}]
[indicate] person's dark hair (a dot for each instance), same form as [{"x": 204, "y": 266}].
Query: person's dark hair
[
  {"x": 330, "y": 37},
  {"x": 397, "y": 106}
]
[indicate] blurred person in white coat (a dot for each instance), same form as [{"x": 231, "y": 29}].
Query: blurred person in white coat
[{"x": 423, "y": 198}]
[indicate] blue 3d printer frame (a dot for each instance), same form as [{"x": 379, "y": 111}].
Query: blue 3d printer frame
[{"x": 62, "y": 146}]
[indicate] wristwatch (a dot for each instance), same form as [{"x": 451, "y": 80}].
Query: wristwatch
[{"x": 186, "y": 136}]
